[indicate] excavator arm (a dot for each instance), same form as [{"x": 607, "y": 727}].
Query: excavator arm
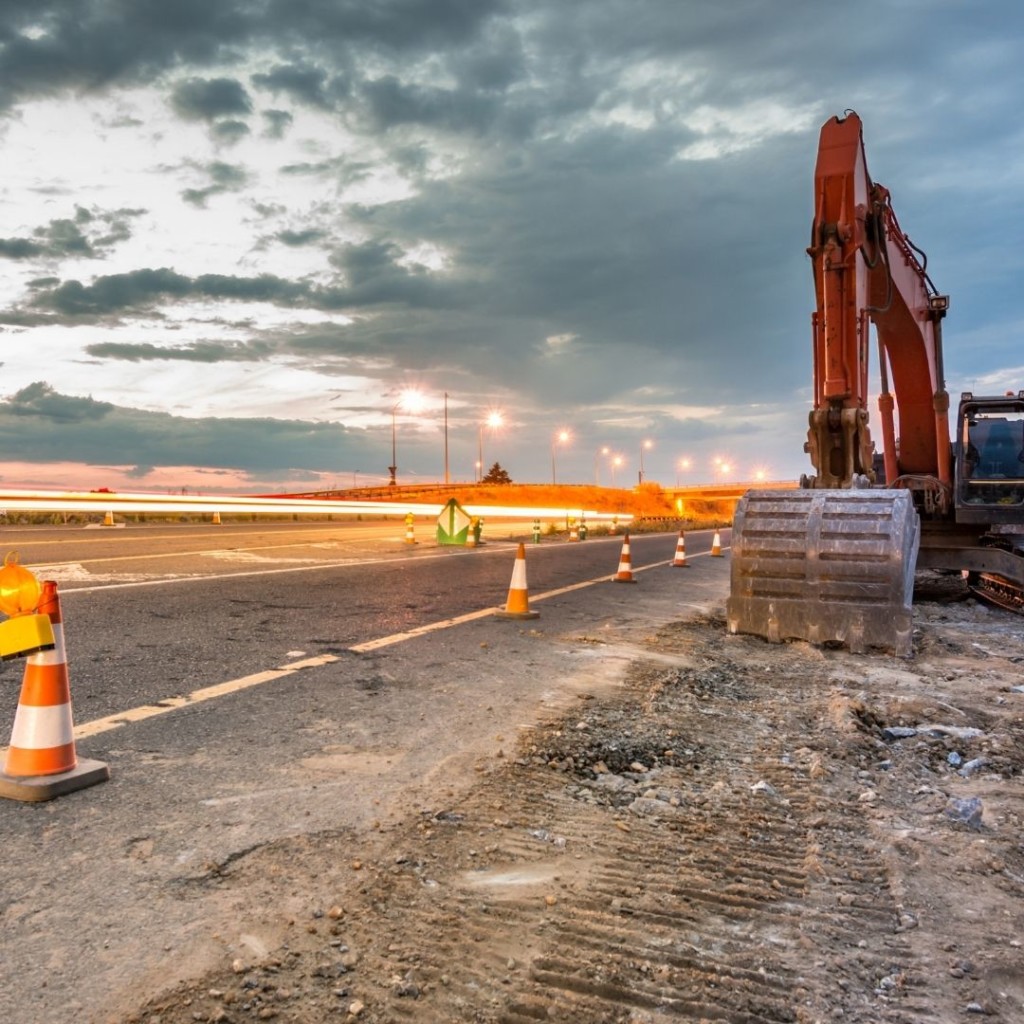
[{"x": 867, "y": 270}]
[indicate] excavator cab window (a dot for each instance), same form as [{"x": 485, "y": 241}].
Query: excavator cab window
[{"x": 992, "y": 467}]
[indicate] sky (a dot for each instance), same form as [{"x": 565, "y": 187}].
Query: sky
[{"x": 235, "y": 235}]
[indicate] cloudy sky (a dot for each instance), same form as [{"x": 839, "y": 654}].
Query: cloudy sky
[{"x": 234, "y": 232}]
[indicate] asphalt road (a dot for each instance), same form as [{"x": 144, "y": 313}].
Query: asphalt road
[
  {"x": 246, "y": 684},
  {"x": 156, "y": 613}
]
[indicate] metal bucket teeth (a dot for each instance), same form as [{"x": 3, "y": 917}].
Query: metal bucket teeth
[{"x": 826, "y": 566}]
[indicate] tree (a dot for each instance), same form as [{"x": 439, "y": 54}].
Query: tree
[{"x": 497, "y": 475}]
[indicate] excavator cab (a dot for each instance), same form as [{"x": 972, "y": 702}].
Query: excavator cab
[{"x": 989, "y": 459}]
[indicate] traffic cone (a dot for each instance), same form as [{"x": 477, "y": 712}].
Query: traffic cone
[
  {"x": 108, "y": 519},
  {"x": 216, "y": 519},
  {"x": 41, "y": 761},
  {"x": 625, "y": 573},
  {"x": 716, "y": 546},
  {"x": 518, "y": 604},
  {"x": 679, "y": 562},
  {"x": 410, "y": 531}
]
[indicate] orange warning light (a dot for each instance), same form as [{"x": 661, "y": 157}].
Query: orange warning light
[{"x": 20, "y": 591}]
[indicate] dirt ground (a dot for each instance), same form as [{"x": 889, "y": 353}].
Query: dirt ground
[{"x": 737, "y": 832}]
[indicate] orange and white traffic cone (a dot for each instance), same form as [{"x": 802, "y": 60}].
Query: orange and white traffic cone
[
  {"x": 679, "y": 562},
  {"x": 41, "y": 761},
  {"x": 216, "y": 519},
  {"x": 518, "y": 604},
  {"x": 108, "y": 519},
  {"x": 625, "y": 573},
  {"x": 716, "y": 546}
]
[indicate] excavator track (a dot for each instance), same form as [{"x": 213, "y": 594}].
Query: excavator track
[
  {"x": 996, "y": 591},
  {"x": 826, "y": 566}
]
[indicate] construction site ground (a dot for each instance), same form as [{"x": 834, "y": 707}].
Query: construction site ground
[{"x": 696, "y": 827}]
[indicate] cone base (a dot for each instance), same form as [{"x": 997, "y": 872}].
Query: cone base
[
  {"x": 502, "y": 614},
  {"x": 679, "y": 565},
  {"x": 46, "y": 787},
  {"x": 619, "y": 579}
]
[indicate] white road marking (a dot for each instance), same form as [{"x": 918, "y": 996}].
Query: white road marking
[{"x": 145, "y": 711}]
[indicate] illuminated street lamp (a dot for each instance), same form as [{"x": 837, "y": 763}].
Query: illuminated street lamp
[
  {"x": 411, "y": 400},
  {"x": 604, "y": 450},
  {"x": 494, "y": 420},
  {"x": 561, "y": 437},
  {"x": 616, "y": 461},
  {"x": 681, "y": 467},
  {"x": 643, "y": 445}
]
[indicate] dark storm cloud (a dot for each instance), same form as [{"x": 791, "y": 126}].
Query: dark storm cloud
[
  {"x": 277, "y": 122},
  {"x": 90, "y": 234},
  {"x": 206, "y": 99},
  {"x": 49, "y": 46},
  {"x": 303, "y": 83},
  {"x": 223, "y": 177},
  {"x": 298, "y": 239},
  {"x": 343, "y": 170},
  {"x": 370, "y": 275},
  {"x": 141, "y": 290},
  {"x": 194, "y": 352},
  {"x": 229, "y": 132},
  {"x": 35, "y": 423},
  {"x": 391, "y": 102},
  {"x": 40, "y": 401}
]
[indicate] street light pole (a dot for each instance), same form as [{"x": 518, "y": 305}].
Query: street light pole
[
  {"x": 411, "y": 399},
  {"x": 494, "y": 420},
  {"x": 563, "y": 437},
  {"x": 446, "y": 437},
  {"x": 643, "y": 445},
  {"x": 393, "y": 468}
]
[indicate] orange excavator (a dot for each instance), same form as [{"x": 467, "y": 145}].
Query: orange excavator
[{"x": 833, "y": 561}]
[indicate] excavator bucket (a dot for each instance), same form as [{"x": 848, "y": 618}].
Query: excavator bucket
[{"x": 826, "y": 566}]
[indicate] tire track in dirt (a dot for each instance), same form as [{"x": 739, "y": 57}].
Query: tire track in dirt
[{"x": 725, "y": 839}]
